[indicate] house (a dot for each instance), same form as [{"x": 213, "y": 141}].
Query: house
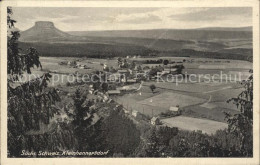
[
  {"x": 109, "y": 100},
  {"x": 72, "y": 63},
  {"x": 93, "y": 107},
  {"x": 169, "y": 70},
  {"x": 113, "y": 92},
  {"x": 90, "y": 87},
  {"x": 155, "y": 121},
  {"x": 123, "y": 71},
  {"x": 113, "y": 77},
  {"x": 82, "y": 66},
  {"x": 175, "y": 109},
  {"x": 166, "y": 71},
  {"x": 127, "y": 88},
  {"x": 126, "y": 111},
  {"x": 136, "y": 114},
  {"x": 131, "y": 81},
  {"x": 153, "y": 78}
]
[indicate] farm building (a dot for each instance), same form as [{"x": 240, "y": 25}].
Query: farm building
[
  {"x": 136, "y": 114},
  {"x": 113, "y": 92},
  {"x": 170, "y": 70},
  {"x": 72, "y": 63},
  {"x": 127, "y": 88},
  {"x": 126, "y": 111},
  {"x": 82, "y": 66},
  {"x": 131, "y": 81},
  {"x": 123, "y": 71},
  {"x": 155, "y": 121},
  {"x": 175, "y": 109}
]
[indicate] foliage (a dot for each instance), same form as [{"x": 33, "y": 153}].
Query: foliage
[
  {"x": 171, "y": 142},
  {"x": 104, "y": 87},
  {"x": 153, "y": 71},
  {"x": 152, "y": 148},
  {"x": 159, "y": 61},
  {"x": 30, "y": 104},
  {"x": 86, "y": 49},
  {"x": 82, "y": 118},
  {"x": 165, "y": 62},
  {"x": 152, "y": 87},
  {"x": 120, "y": 133},
  {"x": 241, "y": 124},
  {"x": 169, "y": 114}
]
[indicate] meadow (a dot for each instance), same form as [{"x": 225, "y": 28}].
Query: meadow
[
  {"x": 203, "y": 100},
  {"x": 192, "y": 124}
]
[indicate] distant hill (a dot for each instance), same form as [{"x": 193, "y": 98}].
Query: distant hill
[
  {"x": 247, "y": 28},
  {"x": 204, "y": 34},
  {"x": 45, "y": 31},
  {"x": 207, "y": 42},
  {"x": 162, "y": 44}
]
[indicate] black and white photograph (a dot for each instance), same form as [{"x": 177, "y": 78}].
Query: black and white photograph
[{"x": 129, "y": 82}]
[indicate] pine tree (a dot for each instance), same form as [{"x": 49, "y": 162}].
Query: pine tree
[
  {"x": 241, "y": 124},
  {"x": 82, "y": 120},
  {"x": 152, "y": 149},
  {"x": 31, "y": 103}
]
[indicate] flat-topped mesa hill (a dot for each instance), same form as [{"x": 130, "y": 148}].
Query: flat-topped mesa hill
[
  {"x": 231, "y": 43},
  {"x": 44, "y": 31}
]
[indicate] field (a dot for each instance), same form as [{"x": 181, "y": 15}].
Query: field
[
  {"x": 193, "y": 124},
  {"x": 168, "y": 99}
]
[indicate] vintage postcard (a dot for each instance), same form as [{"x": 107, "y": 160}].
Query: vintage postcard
[{"x": 130, "y": 82}]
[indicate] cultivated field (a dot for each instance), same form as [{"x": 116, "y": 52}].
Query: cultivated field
[
  {"x": 168, "y": 99},
  {"x": 193, "y": 124}
]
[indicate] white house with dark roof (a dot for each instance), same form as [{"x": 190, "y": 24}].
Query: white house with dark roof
[
  {"x": 155, "y": 121},
  {"x": 136, "y": 114},
  {"x": 175, "y": 109},
  {"x": 113, "y": 92}
]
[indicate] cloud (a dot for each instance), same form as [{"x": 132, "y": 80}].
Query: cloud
[
  {"x": 82, "y": 19},
  {"x": 214, "y": 13},
  {"x": 140, "y": 19}
]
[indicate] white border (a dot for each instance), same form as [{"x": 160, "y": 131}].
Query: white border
[{"x": 150, "y": 161}]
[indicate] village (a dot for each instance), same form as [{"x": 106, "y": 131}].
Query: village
[
  {"x": 127, "y": 78},
  {"x": 133, "y": 77}
]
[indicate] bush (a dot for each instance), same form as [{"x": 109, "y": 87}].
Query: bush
[{"x": 68, "y": 84}]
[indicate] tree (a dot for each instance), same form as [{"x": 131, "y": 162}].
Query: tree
[
  {"x": 133, "y": 65},
  {"x": 120, "y": 62},
  {"x": 153, "y": 71},
  {"x": 152, "y": 87},
  {"x": 104, "y": 87},
  {"x": 165, "y": 62},
  {"x": 241, "y": 124},
  {"x": 179, "y": 69},
  {"x": 152, "y": 148},
  {"x": 120, "y": 133},
  {"x": 82, "y": 120},
  {"x": 139, "y": 69},
  {"x": 30, "y": 104}
]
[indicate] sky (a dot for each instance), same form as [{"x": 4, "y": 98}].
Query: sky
[{"x": 95, "y": 19}]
